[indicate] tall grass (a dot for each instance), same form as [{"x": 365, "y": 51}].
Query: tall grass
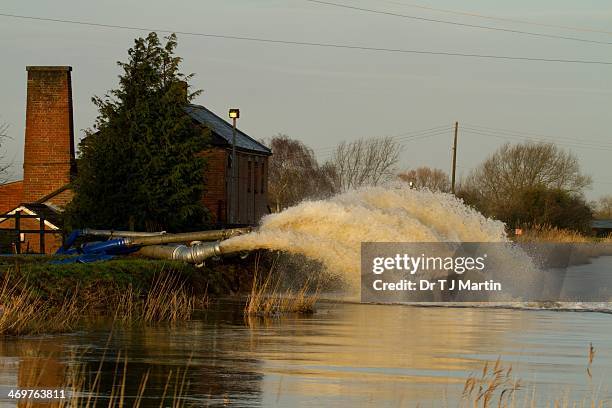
[
  {"x": 23, "y": 312},
  {"x": 547, "y": 233},
  {"x": 268, "y": 299},
  {"x": 83, "y": 388},
  {"x": 496, "y": 386},
  {"x": 168, "y": 300}
]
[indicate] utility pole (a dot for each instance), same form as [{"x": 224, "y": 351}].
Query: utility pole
[{"x": 454, "y": 158}]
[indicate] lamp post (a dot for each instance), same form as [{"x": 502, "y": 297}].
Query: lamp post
[{"x": 234, "y": 114}]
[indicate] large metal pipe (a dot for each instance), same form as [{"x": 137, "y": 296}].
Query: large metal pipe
[
  {"x": 114, "y": 233},
  {"x": 213, "y": 235},
  {"x": 195, "y": 254}
]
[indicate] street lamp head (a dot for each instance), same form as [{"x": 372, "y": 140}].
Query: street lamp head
[{"x": 234, "y": 113}]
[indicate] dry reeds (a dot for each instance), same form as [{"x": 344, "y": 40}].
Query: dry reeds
[
  {"x": 22, "y": 312},
  {"x": 267, "y": 299},
  {"x": 591, "y": 358},
  {"x": 547, "y": 233},
  {"x": 168, "y": 300},
  {"x": 496, "y": 386},
  {"x": 80, "y": 391}
]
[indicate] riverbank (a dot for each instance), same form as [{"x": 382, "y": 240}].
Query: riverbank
[
  {"x": 542, "y": 233},
  {"x": 39, "y": 295},
  {"x": 54, "y": 281},
  {"x": 42, "y": 295}
]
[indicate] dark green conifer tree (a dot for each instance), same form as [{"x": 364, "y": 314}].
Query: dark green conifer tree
[{"x": 139, "y": 167}]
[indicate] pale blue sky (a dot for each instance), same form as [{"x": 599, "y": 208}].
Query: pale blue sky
[{"x": 322, "y": 96}]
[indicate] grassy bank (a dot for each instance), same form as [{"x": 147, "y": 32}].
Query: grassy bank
[
  {"x": 37, "y": 296},
  {"x": 55, "y": 281},
  {"x": 542, "y": 233}
]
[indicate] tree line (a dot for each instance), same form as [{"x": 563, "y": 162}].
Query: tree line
[{"x": 523, "y": 185}]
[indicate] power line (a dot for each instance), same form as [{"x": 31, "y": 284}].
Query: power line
[
  {"x": 401, "y": 141},
  {"x": 545, "y": 138},
  {"x": 400, "y": 136},
  {"x": 496, "y": 18},
  {"x": 314, "y": 44},
  {"x": 506, "y": 137},
  {"x": 410, "y": 139},
  {"x": 456, "y": 23},
  {"x": 537, "y": 139},
  {"x": 591, "y": 142},
  {"x": 403, "y": 135}
]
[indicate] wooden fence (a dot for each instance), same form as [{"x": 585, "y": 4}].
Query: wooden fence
[{"x": 41, "y": 231}]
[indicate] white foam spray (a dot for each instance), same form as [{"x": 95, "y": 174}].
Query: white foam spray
[{"x": 331, "y": 231}]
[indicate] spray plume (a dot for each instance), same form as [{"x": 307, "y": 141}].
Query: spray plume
[{"x": 331, "y": 231}]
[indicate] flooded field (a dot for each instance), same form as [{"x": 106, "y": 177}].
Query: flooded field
[{"x": 343, "y": 355}]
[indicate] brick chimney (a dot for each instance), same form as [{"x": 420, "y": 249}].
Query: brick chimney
[{"x": 49, "y": 136}]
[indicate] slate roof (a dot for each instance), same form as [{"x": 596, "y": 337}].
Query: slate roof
[
  {"x": 222, "y": 130},
  {"x": 601, "y": 224}
]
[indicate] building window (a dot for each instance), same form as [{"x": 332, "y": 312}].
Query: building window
[
  {"x": 256, "y": 176},
  {"x": 263, "y": 177},
  {"x": 249, "y": 177}
]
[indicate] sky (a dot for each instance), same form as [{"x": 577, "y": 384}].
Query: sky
[{"x": 323, "y": 96}]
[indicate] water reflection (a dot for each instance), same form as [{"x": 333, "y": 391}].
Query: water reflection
[{"x": 345, "y": 355}]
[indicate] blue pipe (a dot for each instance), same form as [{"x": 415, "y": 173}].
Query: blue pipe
[
  {"x": 93, "y": 251},
  {"x": 66, "y": 248}
]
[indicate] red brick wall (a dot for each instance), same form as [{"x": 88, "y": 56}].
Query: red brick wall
[
  {"x": 11, "y": 195},
  {"x": 62, "y": 199},
  {"x": 49, "y": 135},
  {"x": 215, "y": 198},
  {"x": 32, "y": 241}
]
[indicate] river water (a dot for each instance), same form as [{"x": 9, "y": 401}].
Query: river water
[{"x": 344, "y": 355}]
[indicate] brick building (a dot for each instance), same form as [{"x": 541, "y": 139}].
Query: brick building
[
  {"x": 251, "y": 189},
  {"x": 49, "y": 164}
]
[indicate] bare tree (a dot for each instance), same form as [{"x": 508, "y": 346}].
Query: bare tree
[
  {"x": 516, "y": 174},
  {"x": 365, "y": 162},
  {"x": 426, "y": 177},
  {"x": 4, "y": 165},
  {"x": 524, "y": 166},
  {"x": 295, "y": 175},
  {"x": 603, "y": 207}
]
